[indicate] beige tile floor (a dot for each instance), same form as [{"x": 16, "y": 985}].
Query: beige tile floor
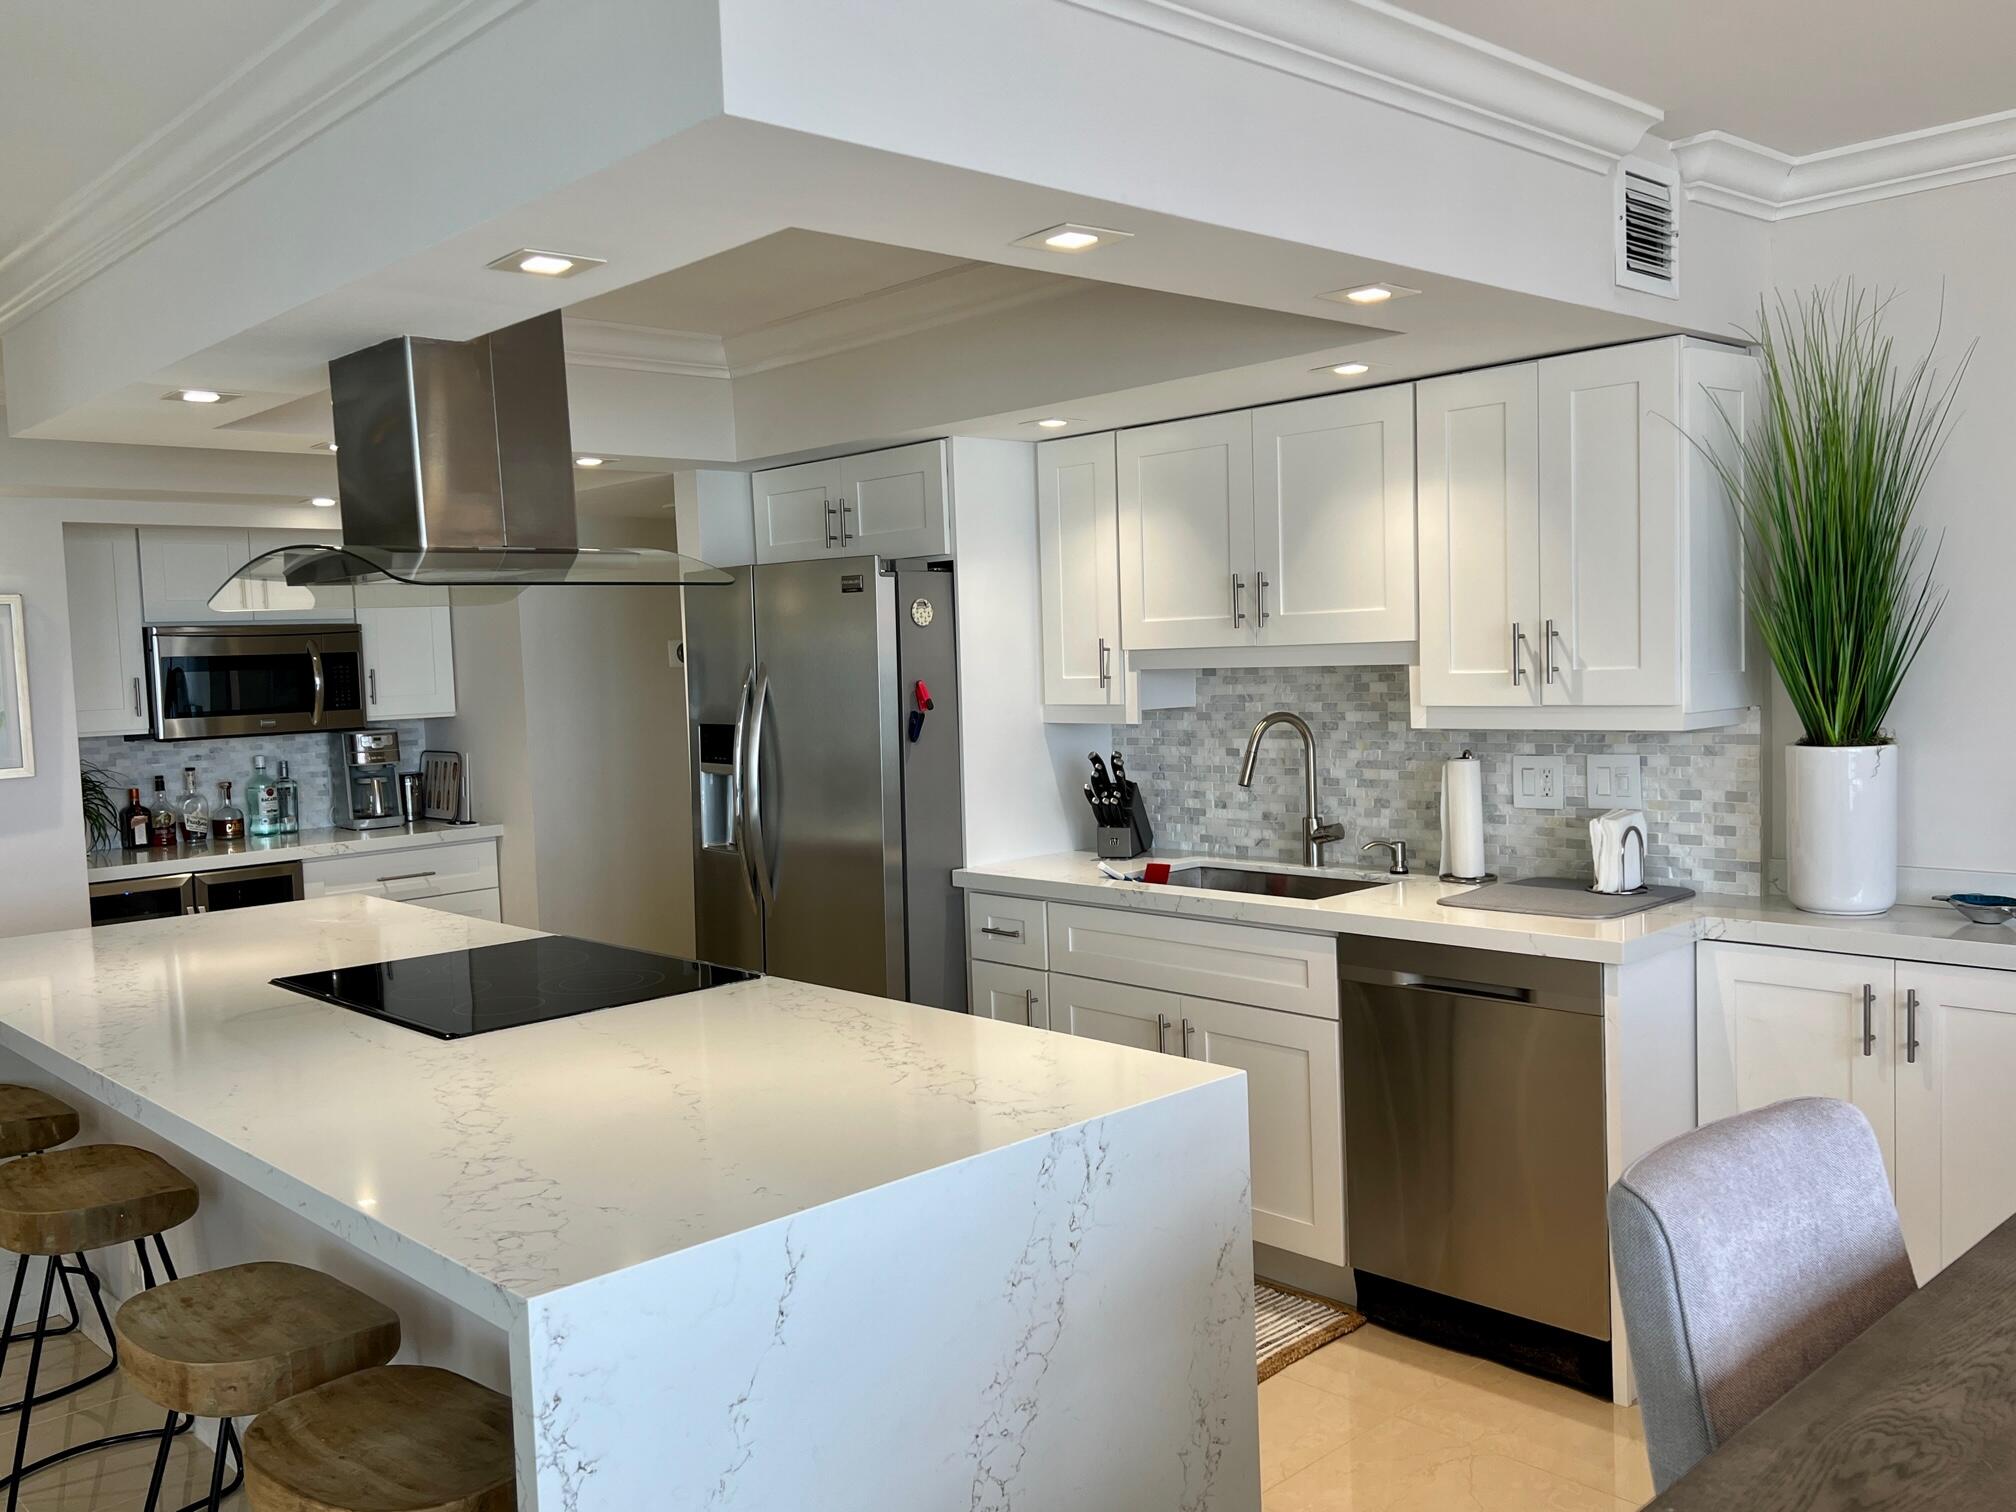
[
  {"x": 110, "y": 1479},
  {"x": 1381, "y": 1423}
]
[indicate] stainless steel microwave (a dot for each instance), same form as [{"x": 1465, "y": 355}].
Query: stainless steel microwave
[{"x": 261, "y": 679}]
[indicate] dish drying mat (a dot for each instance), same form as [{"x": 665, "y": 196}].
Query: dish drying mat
[{"x": 1563, "y": 898}]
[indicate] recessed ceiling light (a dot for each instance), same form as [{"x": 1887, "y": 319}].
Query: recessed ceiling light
[
  {"x": 1052, "y": 422},
  {"x": 198, "y": 396},
  {"x": 1344, "y": 369},
  {"x": 1070, "y": 237},
  {"x": 323, "y": 446},
  {"x": 322, "y": 503},
  {"x": 546, "y": 264},
  {"x": 1367, "y": 294},
  {"x": 589, "y": 461}
]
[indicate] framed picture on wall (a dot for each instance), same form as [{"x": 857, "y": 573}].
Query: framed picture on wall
[{"x": 17, "y": 734}]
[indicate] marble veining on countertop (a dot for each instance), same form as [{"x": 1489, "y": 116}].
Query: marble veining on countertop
[
  {"x": 303, "y": 845},
  {"x": 508, "y": 1165},
  {"x": 1409, "y": 908}
]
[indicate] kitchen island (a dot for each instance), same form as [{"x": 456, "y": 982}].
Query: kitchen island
[{"x": 767, "y": 1245}]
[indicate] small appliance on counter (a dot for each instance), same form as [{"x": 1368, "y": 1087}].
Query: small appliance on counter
[
  {"x": 364, "y": 785},
  {"x": 445, "y": 792},
  {"x": 1124, "y": 830}
]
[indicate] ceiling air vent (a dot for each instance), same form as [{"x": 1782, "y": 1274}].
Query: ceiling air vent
[{"x": 1647, "y": 230}]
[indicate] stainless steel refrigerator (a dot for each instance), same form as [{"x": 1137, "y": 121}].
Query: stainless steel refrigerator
[{"x": 826, "y": 811}]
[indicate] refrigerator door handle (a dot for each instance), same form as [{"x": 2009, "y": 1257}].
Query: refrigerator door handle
[
  {"x": 752, "y": 793},
  {"x": 738, "y": 802}
]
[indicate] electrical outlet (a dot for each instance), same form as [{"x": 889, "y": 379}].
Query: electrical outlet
[
  {"x": 1537, "y": 782},
  {"x": 1616, "y": 782}
]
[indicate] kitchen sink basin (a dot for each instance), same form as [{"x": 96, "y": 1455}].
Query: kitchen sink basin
[{"x": 1269, "y": 884}]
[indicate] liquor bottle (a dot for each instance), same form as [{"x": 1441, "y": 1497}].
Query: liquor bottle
[
  {"x": 227, "y": 820},
  {"x": 135, "y": 823},
  {"x": 262, "y": 801},
  {"x": 165, "y": 822},
  {"x": 290, "y": 801},
  {"x": 195, "y": 812}
]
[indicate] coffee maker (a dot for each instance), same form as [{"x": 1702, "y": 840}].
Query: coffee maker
[{"x": 364, "y": 786}]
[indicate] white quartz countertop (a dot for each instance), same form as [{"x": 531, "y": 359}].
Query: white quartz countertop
[
  {"x": 499, "y": 1167},
  {"x": 1409, "y": 909},
  {"x": 304, "y": 845}
]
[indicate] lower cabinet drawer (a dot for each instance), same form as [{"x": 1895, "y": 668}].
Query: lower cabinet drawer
[
  {"x": 487, "y": 904},
  {"x": 1234, "y": 963},
  {"x": 1006, "y": 930},
  {"x": 1012, "y": 994},
  {"x": 426, "y": 871}
]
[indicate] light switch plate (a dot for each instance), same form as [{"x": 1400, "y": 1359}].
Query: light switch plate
[
  {"x": 1616, "y": 782},
  {"x": 1537, "y": 782}
]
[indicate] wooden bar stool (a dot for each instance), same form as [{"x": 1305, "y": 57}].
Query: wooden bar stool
[
  {"x": 233, "y": 1342},
  {"x": 64, "y": 1202},
  {"x": 400, "y": 1438},
  {"x": 31, "y": 1121}
]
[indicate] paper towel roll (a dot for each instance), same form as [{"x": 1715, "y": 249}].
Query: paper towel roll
[{"x": 1463, "y": 817}]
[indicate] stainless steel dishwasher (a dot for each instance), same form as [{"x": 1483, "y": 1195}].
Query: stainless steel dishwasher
[{"x": 1474, "y": 1150}]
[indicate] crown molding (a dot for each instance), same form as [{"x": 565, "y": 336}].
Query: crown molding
[
  {"x": 1381, "y": 53},
  {"x": 643, "y": 349},
  {"x": 1740, "y": 176},
  {"x": 339, "y": 58}
]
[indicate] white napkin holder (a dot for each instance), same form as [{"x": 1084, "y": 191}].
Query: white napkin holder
[{"x": 1617, "y": 847}]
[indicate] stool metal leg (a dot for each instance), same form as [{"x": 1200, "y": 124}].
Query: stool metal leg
[
  {"x": 28, "y": 1394},
  {"x": 160, "y": 1463}
]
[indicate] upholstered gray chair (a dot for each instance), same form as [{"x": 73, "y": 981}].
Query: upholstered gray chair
[{"x": 1748, "y": 1252}]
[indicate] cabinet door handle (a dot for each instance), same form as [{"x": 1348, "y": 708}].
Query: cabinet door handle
[
  {"x": 1162, "y": 1032},
  {"x": 1260, "y": 602},
  {"x": 407, "y": 877},
  {"x": 1911, "y": 1027},
  {"x": 1189, "y": 1030},
  {"x": 1518, "y": 671},
  {"x": 832, "y": 509},
  {"x": 846, "y": 535},
  {"x": 371, "y": 680},
  {"x": 1553, "y": 635},
  {"x": 1005, "y": 934},
  {"x": 136, "y": 698},
  {"x": 1868, "y": 1019},
  {"x": 1238, "y": 611},
  {"x": 1105, "y": 664},
  {"x": 1029, "y": 1005}
]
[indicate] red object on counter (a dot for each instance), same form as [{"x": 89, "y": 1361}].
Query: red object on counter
[{"x": 1155, "y": 871}]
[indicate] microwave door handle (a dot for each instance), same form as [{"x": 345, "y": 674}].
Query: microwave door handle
[
  {"x": 738, "y": 779},
  {"x": 315, "y": 671}
]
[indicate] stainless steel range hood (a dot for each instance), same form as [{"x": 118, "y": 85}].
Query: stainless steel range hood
[{"x": 455, "y": 467}]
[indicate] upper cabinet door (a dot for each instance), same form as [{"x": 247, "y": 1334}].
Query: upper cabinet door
[
  {"x": 893, "y": 502},
  {"x": 1078, "y": 540},
  {"x": 1718, "y": 403},
  {"x": 797, "y": 511},
  {"x": 108, "y": 661},
  {"x": 279, "y": 601},
  {"x": 1333, "y": 517},
  {"x": 1479, "y": 527},
  {"x": 181, "y": 566},
  {"x": 1186, "y": 533},
  {"x": 1610, "y": 542},
  {"x": 409, "y": 652}
]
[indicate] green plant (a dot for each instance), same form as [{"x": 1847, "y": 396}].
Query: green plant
[
  {"x": 101, "y": 813},
  {"x": 1825, "y": 486}
]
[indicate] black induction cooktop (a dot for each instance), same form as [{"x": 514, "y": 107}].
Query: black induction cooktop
[{"x": 464, "y": 992}]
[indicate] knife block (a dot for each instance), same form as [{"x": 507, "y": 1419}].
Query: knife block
[{"x": 1123, "y": 842}]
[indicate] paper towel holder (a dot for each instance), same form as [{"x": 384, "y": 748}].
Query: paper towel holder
[{"x": 1488, "y": 876}]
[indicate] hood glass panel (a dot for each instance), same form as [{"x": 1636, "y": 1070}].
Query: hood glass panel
[{"x": 309, "y": 566}]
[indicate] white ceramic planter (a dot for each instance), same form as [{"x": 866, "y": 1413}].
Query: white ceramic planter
[{"x": 1841, "y": 828}]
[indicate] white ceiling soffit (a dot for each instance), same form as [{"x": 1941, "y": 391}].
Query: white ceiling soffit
[
  {"x": 346, "y": 53},
  {"x": 644, "y": 349},
  {"x": 1731, "y": 174},
  {"x": 1382, "y": 53}
]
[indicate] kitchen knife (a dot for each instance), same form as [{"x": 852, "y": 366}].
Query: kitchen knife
[
  {"x": 1120, "y": 771},
  {"x": 1099, "y": 778}
]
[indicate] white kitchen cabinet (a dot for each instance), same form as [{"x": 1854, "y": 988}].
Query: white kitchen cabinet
[
  {"x": 408, "y": 874},
  {"x": 1955, "y": 1048},
  {"x": 1580, "y": 565},
  {"x": 409, "y": 652},
  {"x": 486, "y": 904},
  {"x": 334, "y": 602},
  {"x": 1244, "y": 963},
  {"x": 1078, "y": 540},
  {"x": 1115, "y": 1012},
  {"x": 1186, "y": 533},
  {"x": 891, "y": 503},
  {"x": 1012, "y": 994},
  {"x": 1774, "y": 1024},
  {"x": 108, "y": 662},
  {"x": 1333, "y": 519},
  {"x": 181, "y": 566},
  {"x": 1295, "y": 1112}
]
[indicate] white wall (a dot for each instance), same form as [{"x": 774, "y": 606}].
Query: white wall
[{"x": 1956, "y": 719}]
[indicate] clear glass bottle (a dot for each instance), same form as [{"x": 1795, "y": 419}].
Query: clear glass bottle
[
  {"x": 289, "y": 792},
  {"x": 262, "y": 801},
  {"x": 195, "y": 811},
  {"x": 164, "y": 819},
  {"x": 227, "y": 820}
]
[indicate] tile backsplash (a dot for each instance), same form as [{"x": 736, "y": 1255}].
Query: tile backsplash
[
  {"x": 1381, "y": 779},
  {"x": 309, "y": 759}
]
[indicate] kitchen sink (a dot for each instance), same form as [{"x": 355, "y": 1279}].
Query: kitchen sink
[{"x": 1270, "y": 884}]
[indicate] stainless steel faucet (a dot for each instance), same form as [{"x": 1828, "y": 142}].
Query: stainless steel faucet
[{"x": 1315, "y": 833}]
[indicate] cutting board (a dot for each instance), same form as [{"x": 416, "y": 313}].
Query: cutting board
[{"x": 1563, "y": 898}]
